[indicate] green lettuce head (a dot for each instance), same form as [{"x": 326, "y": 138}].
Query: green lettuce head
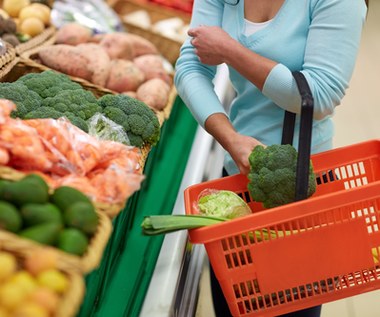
[{"x": 222, "y": 203}]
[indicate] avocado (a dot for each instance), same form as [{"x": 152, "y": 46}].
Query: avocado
[
  {"x": 36, "y": 179},
  {"x": 46, "y": 233},
  {"x": 64, "y": 196},
  {"x": 3, "y": 184},
  {"x": 73, "y": 241},
  {"x": 10, "y": 218},
  {"x": 82, "y": 216},
  {"x": 34, "y": 214},
  {"x": 25, "y": 191}
]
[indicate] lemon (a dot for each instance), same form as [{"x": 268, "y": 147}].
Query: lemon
[
  {"x": 11, "y": 295},
  {"x": 53, "y": 279},
  {"x": 8, "y": 265},
  {"x": 25, "y": 280}
]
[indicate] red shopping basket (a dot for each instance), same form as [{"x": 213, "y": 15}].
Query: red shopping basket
[{"x": 305, "y": 253}]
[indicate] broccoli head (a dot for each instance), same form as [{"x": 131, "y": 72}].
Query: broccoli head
[
  {"x": 272, "y": 177},
  {"x": 48, "y": 83},
  {"x": 80, "y": 102},
  {"x": 24, "y": 99},
  {"x": 50, "y": 113},
  {"x": 141, "y": 123},
  {"x": 44, "y": 113}
]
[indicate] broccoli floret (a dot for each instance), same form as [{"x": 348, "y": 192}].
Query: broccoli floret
[
  {"x": 79, "y": 122},
  {"x": 82, "y": 103},
  {"x": 44, "y": 113},
  {"x": 141, "y": 123},
  {"x": 48, "y": 83},
  {"x": 272, "y": 177},
  {"x": 24, "y": 99},
  {"x": 117, "y": 116}
]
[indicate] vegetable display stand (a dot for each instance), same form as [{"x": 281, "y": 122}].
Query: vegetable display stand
[
  {"x": 67, "y": 305},
  {"x": 83, "y": 264},
  {"x": 302, "y": 254}
]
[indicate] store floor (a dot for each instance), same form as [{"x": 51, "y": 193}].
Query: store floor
[{"x": 357, "y": 119}]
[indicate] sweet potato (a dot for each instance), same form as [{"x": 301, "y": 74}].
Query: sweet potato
[
  {"x": 154, "y": 92},
  {"x": 66, "y": 59},
  {"x": 73, "y": 34},
  {"x": 141, "y": 45},
  {"x": 99, "y": 62},
  {"x": 153, "y": 67},
  {"x": 118, "y": 45},
  {"x": 124, "y": 76}
]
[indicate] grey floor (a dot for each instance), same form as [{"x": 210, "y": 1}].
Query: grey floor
[{"x": 357, "y": 119}]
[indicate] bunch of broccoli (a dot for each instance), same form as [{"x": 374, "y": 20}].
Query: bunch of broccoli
[
  {"x": 138, "y": 120},
  {"x": 50, "y": 94},
  {"x": 272, "y": 177}
]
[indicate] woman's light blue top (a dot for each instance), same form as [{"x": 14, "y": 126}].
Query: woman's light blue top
[{"x": 319, "y": 37}]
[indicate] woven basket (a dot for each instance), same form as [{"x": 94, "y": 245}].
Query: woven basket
[
  {"x": 169, "y": 48},
  {"x": 86, "y": 263},
  {"x": 38, "y": 40},
  {"x": 69, "y": 304},
  {"x": 7, "y": 60}
]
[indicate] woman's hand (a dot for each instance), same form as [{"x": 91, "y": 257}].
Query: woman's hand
[
  {"x": 240, "y": 150},
  {"x": 211, "y": 44}
]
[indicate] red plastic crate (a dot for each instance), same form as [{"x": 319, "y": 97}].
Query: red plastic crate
[{"x": 321, "y": 249}]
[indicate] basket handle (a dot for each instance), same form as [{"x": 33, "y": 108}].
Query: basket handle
[{"x": 304, "y": 143}]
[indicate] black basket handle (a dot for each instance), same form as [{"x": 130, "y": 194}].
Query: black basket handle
[{"x": 304, "y": 143}]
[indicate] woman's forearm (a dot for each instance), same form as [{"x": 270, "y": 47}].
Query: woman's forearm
[{"x": 250, "y": 65}]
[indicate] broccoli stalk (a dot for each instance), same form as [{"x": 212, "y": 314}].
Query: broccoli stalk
[{"x": 272, "y": 177}]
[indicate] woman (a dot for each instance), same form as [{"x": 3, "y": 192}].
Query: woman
[{"x": 262, "y": 42}]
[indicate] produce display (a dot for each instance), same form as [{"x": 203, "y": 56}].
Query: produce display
[
  {"x": 53, "y": 95},
  {"x": 21, "y": 20},
  {"x": 64, "y": 218},
  {"x": 31, "y": 285},
  {"x": 64, "y": 155},
  {"x": 77, "y": 118},
  {"x": 121, "y": 62}
]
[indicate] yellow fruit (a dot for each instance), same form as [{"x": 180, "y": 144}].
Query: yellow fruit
[
  {"x": 46, "y": 11},
  {"x": 11, "y": 295},
  {"x": 46, "y": 298},
  {"x": 32, "y": 12},
  {"x": 13, "y": 7},
  {"x": 54, "y": 280},
  {"x": 32, "y": 26},
  {"x": 8, "y": 265},
  {"x": 30, "y": 309},
  {"x": 25, "y": 280},
  {"x": 41, "y": 260}
]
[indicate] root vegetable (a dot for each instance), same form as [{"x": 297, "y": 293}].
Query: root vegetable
[
  {"x": 124, "y": 76},
  {"x": 141, "y": 45},
  {"x": 73, "y": 34},
  {"x": 66, "y": 59},
  {"x": 152, "y": 66},
  {"x": 33, "y": 12},
  {"x": 99, "y": 62},
  {"x": 13, "y": 7},
  {"x": 155, "y": 93},
  {"x": 118, "y": 45}
]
